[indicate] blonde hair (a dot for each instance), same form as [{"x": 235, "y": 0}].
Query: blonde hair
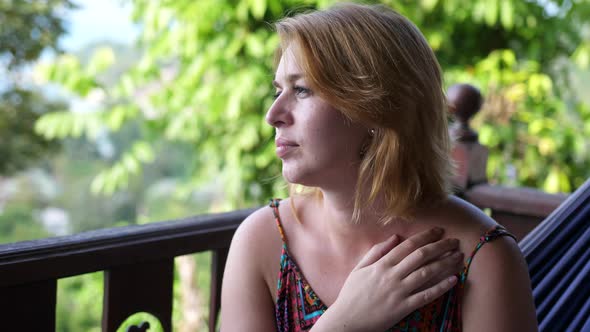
[{"x": 375, "y": 66}]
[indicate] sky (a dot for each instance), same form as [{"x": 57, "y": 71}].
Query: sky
[{"x": 98, "y": 20}]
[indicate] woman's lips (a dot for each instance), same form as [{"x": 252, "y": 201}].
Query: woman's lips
[{"x": 284, "y": 147}]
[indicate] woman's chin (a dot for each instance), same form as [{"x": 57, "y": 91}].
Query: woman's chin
[
  {"x": 296, "y": 177},
  {"x": 290, "y": 177}
]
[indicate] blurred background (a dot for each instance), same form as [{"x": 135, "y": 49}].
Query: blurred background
[{"x": 126, "y": 112}]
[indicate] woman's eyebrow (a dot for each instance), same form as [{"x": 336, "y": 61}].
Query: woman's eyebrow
[{"x": 290, "y": 78}]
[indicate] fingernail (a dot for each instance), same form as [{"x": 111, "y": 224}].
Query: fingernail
[
  {"x": 437, "y": 230},
  {"x": 452, "y": 279},
  {"x": 457, "y": 255}
]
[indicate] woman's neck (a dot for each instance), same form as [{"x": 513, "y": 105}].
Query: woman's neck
[{"x": 335, "y": 213}]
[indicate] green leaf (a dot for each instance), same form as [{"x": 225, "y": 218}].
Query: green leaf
[
  {"x": 255, "y": 45},
  {"x": 507, "y": 13},
  {"x": 491, "y": 14},
  {"x": 258, "y": 8},
  {"x": 428, "y": 5},
  {"x": 102, "y": 58},
  {"x": 131, "y": 164},
  {"x": 143, "y": 151},
  {"x": 582, "y": 56}
]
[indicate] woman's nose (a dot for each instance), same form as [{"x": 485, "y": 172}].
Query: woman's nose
[{"x": 278, "y": 114}]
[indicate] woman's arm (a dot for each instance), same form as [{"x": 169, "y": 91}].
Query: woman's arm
[
  {"x": 246, "y": 302},
  {"x": 498, "y": 293}
]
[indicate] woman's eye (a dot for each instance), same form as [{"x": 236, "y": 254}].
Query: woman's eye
[
  {"x": 301, "y": 91},
  {"x": 298, "y": 90}
]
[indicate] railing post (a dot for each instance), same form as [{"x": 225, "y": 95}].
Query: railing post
[
  {"x": 28, "y": 307},
  {"x": 470, "y": 157},
  {"x": 218, "y": 260},
  {"x": 141, "y": 287}
]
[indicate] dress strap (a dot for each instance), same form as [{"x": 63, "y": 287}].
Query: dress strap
[
  {"x": 274, "y": 205},
  {"x": 489, "y": 236}
]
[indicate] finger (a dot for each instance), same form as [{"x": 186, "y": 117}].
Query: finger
[
  {"x": 432, "y": 273},
  {"x": 424, "y": 255},
  {"x": 411, "y": 244},
  {"x": 377, "y": 251},
  {"x": 422, "y": 298},
  {"x": 456, "y": 271}
]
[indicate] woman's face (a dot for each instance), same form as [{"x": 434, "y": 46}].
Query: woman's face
[{"x": 318, "y": 145}]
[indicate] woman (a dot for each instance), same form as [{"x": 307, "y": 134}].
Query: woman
[{"x": 375, "y": 242}]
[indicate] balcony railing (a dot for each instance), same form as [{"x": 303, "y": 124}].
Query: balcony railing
[{"x": 138, "y": 261}]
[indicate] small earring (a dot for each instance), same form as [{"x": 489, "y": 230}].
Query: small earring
[{"x": 372, "y": 132}]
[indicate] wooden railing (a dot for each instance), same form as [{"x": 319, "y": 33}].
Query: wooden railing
[{"x": 138, "y": 261}]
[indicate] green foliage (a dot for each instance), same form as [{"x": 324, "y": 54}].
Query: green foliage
[
  {"x": 79, "y": 303},
  {"x": 27, "y": 28},
  {"x": 203, "y": 283},
  {"x": 118, "y": 175},
  {"x": 204, "y": 79},
  {"x": 17, "y": 223},
  {"x": 528, "y": 124},
  {"x": 514, "y": 51},
  {"x": 582, "y": 56},
  {"x": 19, "y": 144}
]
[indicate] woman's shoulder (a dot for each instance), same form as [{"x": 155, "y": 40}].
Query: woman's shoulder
[
  {"x": 464, "y": 216},
  {"x": 258, "y": 238},
  {"x": 496, "y": 276},
  {"x": 469, "y": 224},
  {"x": 266, "y": 221},
  {"x": 473, "y": 225},
  {"x": 258, "y": 232},
  {"x": 249, "y": 279}
]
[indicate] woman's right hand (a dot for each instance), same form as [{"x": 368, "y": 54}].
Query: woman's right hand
[{"x": 392, "y": 280}]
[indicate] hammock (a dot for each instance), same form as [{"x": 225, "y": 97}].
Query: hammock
[{"x": 558, "y": 254}]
